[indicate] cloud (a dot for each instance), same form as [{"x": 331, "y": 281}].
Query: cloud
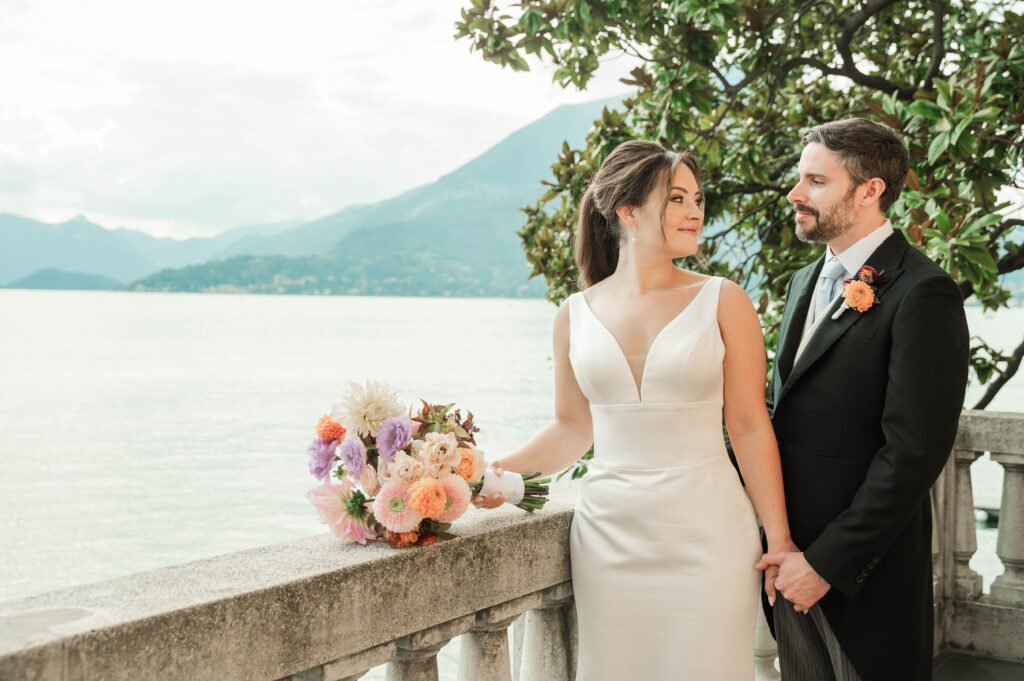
[{"x": 194, "y": 118}]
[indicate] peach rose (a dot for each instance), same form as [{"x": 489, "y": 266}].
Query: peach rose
[
  {"x": 471, "y": 465},
  {"x": 369, "y": 482}
]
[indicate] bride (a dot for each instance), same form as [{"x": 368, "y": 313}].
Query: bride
[{"x": 663, "y": 540}]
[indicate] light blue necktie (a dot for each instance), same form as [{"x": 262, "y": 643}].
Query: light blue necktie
[{"x": 831, "y": 275}]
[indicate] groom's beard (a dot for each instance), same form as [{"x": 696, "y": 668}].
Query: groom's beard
[{"x": 834, "y": 223}]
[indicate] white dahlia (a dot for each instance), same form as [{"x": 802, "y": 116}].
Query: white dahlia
[{"x": 366, "y": 408}]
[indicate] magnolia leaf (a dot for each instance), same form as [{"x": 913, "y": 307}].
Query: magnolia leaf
[{"x": 938, "y": 146}]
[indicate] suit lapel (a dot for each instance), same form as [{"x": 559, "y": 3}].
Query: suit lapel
[
  {"x": 792, "y": 320},
  {"x": 886, "y": 258}
]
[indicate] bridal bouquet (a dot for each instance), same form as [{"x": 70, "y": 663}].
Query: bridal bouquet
[{"x": 395, "y": 475}]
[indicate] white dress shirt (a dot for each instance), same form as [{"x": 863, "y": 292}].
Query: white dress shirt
[{"x": 852, "y": 259}]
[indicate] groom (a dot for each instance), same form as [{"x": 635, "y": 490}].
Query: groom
[{"x": 866, "y": 403}]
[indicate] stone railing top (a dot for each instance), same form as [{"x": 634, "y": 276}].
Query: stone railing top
[
  {"x": 991, "y": 431},
  {"x": 280, "y": 609}
]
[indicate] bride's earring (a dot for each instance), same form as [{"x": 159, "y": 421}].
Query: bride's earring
[{"x": 632, "y": 234}]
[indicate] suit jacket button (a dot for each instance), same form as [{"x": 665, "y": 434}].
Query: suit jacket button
[{"x": 860, "y": 579}]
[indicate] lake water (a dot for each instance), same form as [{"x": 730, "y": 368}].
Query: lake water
[{"x": 139, "y": 430}]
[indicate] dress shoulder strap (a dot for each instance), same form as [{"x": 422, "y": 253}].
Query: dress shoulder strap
[{"x": 575, "y": 311}]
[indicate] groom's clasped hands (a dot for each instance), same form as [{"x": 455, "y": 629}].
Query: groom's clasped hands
[{"x": 788, "y": 572}]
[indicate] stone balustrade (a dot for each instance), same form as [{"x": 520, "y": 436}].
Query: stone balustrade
[
  {"x": 968, "y": 621},
  {"x": 317, "y": 609}
]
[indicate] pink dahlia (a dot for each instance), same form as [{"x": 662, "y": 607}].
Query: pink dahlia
[
  {"x": 344, "y": 509},
  {"x": 458, "y": 494},
  {"x": 391, "y": 508}
]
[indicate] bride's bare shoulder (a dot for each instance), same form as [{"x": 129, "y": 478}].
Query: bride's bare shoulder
[{"x": 733, "y": 300}]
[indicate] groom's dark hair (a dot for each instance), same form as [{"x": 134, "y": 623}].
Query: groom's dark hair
[{"x": 866, "y": 149}]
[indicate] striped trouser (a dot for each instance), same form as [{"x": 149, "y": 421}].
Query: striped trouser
[{"x": 808, "y": 650}]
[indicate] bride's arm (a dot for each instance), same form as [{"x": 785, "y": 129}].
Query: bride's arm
[
  {"x": 746, "y": 415},
  {"x": 569, "y": 436}
]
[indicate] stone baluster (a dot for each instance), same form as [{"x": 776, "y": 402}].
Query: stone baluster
[
  {"x": 518, "y": 636},
  {"x": 484, "y": 653},
  {"x": 1009, "y": 586},
  {"x": 967, "y": 582},
  {"x": 765, "y": 649},
  {"x": 572, "y": 636},
  {"x": 937, "y": 499},
  {"x": 416, "y": 658},
  {"x": 546, "y": 648},
  {"x": 350, "y": 667}
]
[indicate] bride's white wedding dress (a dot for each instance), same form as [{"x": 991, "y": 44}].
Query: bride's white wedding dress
[{"x": 664, "y": 539}]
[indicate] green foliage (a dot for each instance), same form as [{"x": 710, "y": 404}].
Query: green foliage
[
  {"x": 737, "y": 80},
  {"x": 379, "y": 274}
]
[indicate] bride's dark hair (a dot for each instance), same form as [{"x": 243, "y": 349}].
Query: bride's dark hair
[{"x": 626, "y": 178}]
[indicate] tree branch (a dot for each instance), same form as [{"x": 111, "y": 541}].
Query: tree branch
[
  {"x": 753, "y": 189},
  {"x": 996, "y": 385},
  {"x": 784, "y": 164},
  {"x": 939, "y": 47},
  {"x": 1006, "y": 225},
  {"x": 1011, "y": 261},
  {"x": 1002, "y": 140},
  {"x": 850, "y": 70},
  {"x": 808, "y": 61}
]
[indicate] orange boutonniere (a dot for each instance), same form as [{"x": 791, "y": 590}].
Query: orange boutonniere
[{"x": 860, "y": 292}]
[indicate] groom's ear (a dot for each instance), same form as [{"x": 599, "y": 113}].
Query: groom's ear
[{"x": 871, "y": 191}]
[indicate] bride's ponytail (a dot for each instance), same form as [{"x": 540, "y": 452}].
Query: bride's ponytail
[
  {"x": 626, "y": 178},
  {"x": 597, "y": 242}
]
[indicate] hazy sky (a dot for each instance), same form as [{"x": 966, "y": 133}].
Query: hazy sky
[{"x": 190, "y": 117}]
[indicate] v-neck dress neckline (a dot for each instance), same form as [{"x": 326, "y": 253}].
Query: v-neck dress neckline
[{"x": 639, "y": 387}]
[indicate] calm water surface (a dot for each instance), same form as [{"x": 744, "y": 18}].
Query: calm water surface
[{"x": 142, "y": 430}]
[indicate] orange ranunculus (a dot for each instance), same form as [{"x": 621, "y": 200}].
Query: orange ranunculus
[
  {"x": 471, "y": 465},
  {"x": 401, "y": 539},
  {"x": 859, "y": 296},
  {"x": 427, "y": 497},
  {"x": 328, "y": 429}
]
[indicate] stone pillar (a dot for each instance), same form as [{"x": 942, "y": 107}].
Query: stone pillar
[
  {"x": 942, "y": 543},
  {"x": 484, "y": 654},
  {"x": 765, "y": 649},
  {"x": 417, "y": 653},
  {"x": 937, "y": 498},
  {"x": 1009, "y": 586},
  {"x": 572, "y": 636},
  {"x": 518, "y": 636},
  {"x": 545, "y": 643},
  {"x": 967, "y": 582}
]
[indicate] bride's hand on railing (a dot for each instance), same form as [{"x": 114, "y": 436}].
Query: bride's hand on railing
[{"x": 495, "y": 499}]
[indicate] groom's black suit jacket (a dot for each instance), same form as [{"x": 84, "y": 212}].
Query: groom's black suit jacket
[{"x": 865, "y": 419}]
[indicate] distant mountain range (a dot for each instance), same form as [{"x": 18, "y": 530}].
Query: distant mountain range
[
  {"x": 58, "y": 279},
  {"x": 455, "y": 236},
  {"x": 83, "y": 247}
]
